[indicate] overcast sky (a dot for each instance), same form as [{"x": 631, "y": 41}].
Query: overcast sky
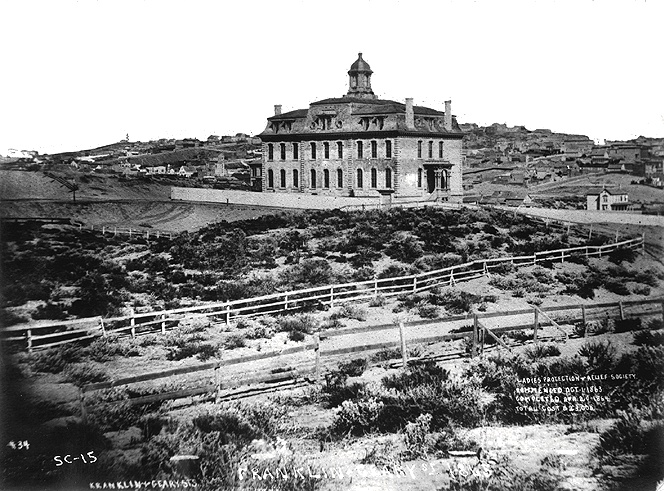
[{"x": 79, "y": 74}]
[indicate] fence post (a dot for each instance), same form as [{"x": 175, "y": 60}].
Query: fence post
[
  {"x": 157, "y": 233},
  {"x": 535, "y": 324},
  {"x": 147, "y": 234},
  {"x": 84, "y": 410},
  {"x": 103, "y": 328},
  {"x": 590, "y": 232},
  {"x": 482, "y": 336},
  {"x": 163, "y": 324},
  {"x": 622, "y": 311},
  {"x": 130, "y": 232},
  {"x": 132, "y": 323},
  {"x": 473, "y": 350},
  {"x": 452, "y": 282},
  {"x": 228, "y": 314},
  {"x": 662, "y": 311},
  {"x": 404, "y": 353},
  {"x": 583, "y": 317},
  {"x": 286, "y": 302},
  {"x": 414, "y": 284},
  {"x": 115, "y": 231},
  {"x": 376, "y": 287},
  {"x": 103, "y": 230},
  {"x": 569, "y": 224},
  {"x": 217, "y": 381},
  {"x": 317, "y": 356},
  {"x": 643, "y": 243},
  {"x": 562, "y": 256},
  {"x": 30, "y": 338},
  {"x": 331, "y": 296},
  {"x": 616, "y": 236}
]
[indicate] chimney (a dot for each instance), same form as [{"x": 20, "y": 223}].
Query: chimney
[
  {"x": 448, "y": 115},
  {"x": 277, "y": 109},
  {"x": 410, "y": 114}
]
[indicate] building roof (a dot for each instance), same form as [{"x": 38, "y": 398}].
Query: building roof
[
  {"x": 297, "y": 113},
  {"x": 360, "y": 65},
  {"x": 611, "y": 191}
]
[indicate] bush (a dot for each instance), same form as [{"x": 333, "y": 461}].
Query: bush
[
  {"x": 619, "y": 255},
  {"x": 50, "y": 311},
  {"x": 8, "y": 318},
  {"x": 54, "y": 360},
  {"x": 234, "y": 341},
  {"x": 616, "y": 286},
  {"x": 626, "y": 325},
  {"x": 296, "y": 336},
  {"x": 358, "y": 417},
  {"x": 641, "y": 290},
  {"x": 538, "y": 351},
  {"x": 647, "y": 338},
  {"x": 353, "y": 368},
  {"x": 349, "y": 311},
  {"x": 377, "y": 301},
  {"x": 428, "y": 311},
  {"x": 631, "y": 435},
  {"x": 105, "y": 349},
  {"x": 416, "y": 374},
  {"x": 600, "y": 356},
  {"x": 302, "y": 323},
  {"x": 82, "y": 374},
  {"x": 455, "y": 301}
]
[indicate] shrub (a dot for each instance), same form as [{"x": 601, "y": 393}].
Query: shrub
[
  {"x": 656, "y": 324},
  {"x": 647, "y": 338},
  {"x": 626, "y": 325},
  {"x": 417, "y": 374},
  {"x": 377, "y": 301},
  {"x": 631, "y": 435},
  {"x": 404, "y": 248},
  {"x": 296, "y": 335},
  {"x": 105, "y": 349},
  {"x": 417, "y": 438},
  {"x": 616, "y": 286},
  {"x": 50, "y": 311},
  {"x": 349, "y": 311},
  {"x": 303, "y": 323},
  {"x": 641, "y": 290},
  {"x": 428, "y": 311},
  {"x": 81, "y": 374},
  {"x": 619, "y": 255},
  {"x": 55, "y": 360},
  {"x": 353, "y": 368},
  {"x": 456, "y": 301},
  {"x": 538, "y": 351},
  {"x": 8, "y": 318},
  {"x": 336, "y": 390},
  {"x": 234, "y": 341},
  {"x": 449, "y": 439},
  {"x": 358, "y": 418},
  {"x": 600, "y": 356}
]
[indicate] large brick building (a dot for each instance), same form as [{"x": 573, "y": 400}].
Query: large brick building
[{"x": 359, "y": 145}]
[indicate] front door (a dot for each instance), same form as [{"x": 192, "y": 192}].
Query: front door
[{"x": 431, "y": 180}]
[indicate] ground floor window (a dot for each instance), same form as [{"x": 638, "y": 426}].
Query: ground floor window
[
  {"x": 388, "y": 178},
  {"x": 360, "y": 178},
  {"x": 340, "y": 178},
  {"x": 313, "y": 178},
  {"x": 296, "y": 179},
  {"x": 326, "y": 178},
  {"x": 270, "y": 178}
]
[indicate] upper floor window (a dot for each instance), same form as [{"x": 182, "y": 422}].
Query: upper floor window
[
  {"x": 296, "y": 151},
  {"x": 430, "y": 149},
  {"x": 374, "y": 178},
  {"x": 419, "y": 149},
  {"x": 282, "y": 151},
  {"x": 313, "y": 150},
  {"x": 270, "y": 151},
  {"x": 374, "y": 149},
  {"x": 440, "y": 149},
  {"x": 388, "y": 149},
  {"x": 326, "y": 150},
  {"x": 360, "y": 150},
  {"x": 340, "y": 150}
]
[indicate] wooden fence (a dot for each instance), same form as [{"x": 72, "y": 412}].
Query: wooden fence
[
  {"x": 62, "y": 332},
  {"x": 312, "y": 370}
]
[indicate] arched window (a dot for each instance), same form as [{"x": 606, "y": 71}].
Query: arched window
[
  {"x": 326, "y": 150},
  {"x": 360, "y": 176},
  {"x": 388, "y": 178},
  {"x": 326, "y": 178},
  {"x": 296, "y": 179},
  {"x": 313, "y": 150},
  {"x": 340, "y": 178},
  {"x": 374, "y": 178},
  {"x": 296, "y": 151},
  {"x": 270, "y": 151},
  {"x": 282, "y": 151},
  {"x": 313, "y": 178},
  {"x": 340, "y": 150},
  {"x": 360, "y": 150},
  {"x": 388, "y": 149},
  {"x": 419, "y": 178},
  {"x": 374, "y": 149},
  {"x": 282, "y": 178},
  {"x": 270, "y": 178}
]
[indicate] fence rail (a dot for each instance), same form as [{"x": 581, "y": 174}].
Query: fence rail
[
  {"x": 477, "y": 333},
  {"x": 57, "y": 333}
]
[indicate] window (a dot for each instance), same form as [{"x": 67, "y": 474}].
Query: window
[
  {"x": 340, "y": 150},
  {"x": 440, "y": 150},
  {"x": 282, "y": 151},
  {"x": 388, "y": 149},
  {"x": 313, "y": 150},
  {"x": 360, "y": 151},
  {"x": 313, "y": 178},
  {"x": 340, "y": 178},
  {"x": 388, "y": 178},
  {"x": 326, "y": 150},
  {"x": 374, "y": 149},
  {"x": 282, "y": 178},
  {"x": 326, "y": 178},
  {"x": 430, "y": 149},
  {"x": 360, "y": 182},
  {"x": 296, "y": 151},
  {"x": 374, "y": 178},
  {"x": 419, "y": 149},
  {"x": 270, "y": 151},
  {"x": 296, "y": 179},
  {"x": 605, "y": 199},
  {"x": 270, "y": 178},
  {"x": 419, "y": 178}
]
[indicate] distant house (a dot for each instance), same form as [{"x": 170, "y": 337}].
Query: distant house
[
  {"x": 157, "y": 169},
  {"x": 607, "y": 200},
  {"x": 507, "y": 198}
]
